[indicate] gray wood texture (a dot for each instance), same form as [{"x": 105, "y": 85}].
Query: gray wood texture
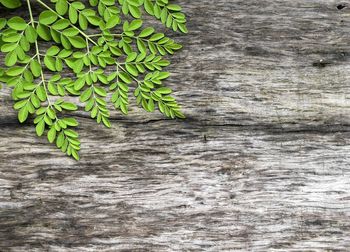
[{"x": 261, "y": 163}]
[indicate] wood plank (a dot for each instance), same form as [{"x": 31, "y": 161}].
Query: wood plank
[{"x": 260, "y": 164}]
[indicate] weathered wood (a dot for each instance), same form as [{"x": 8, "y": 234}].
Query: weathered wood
[{"x": 261, "y": 164}]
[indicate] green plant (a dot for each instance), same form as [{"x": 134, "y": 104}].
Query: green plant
[{"x": 58, "y": 55}]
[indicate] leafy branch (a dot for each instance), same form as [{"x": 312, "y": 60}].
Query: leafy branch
[{"x": 52, "y": 56}]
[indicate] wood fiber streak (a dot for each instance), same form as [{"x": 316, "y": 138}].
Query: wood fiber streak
[{"x": 261, "y": 163}]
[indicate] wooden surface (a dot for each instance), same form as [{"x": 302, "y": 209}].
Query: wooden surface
[{"x": 261, "y": 164}]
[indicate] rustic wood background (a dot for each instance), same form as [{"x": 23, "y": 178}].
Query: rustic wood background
[{"x": 262, "y": 163}]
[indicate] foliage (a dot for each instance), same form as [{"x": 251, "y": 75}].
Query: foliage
[{"x": 103, "y": 66}]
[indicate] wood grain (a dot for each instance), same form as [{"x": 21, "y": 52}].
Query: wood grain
[{"x": 261, "y": 164}]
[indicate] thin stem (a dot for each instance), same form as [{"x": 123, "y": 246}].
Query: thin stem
[
  {"x": 38, "y": 53},
  {"x": 123, "y": 69},
  {"x": 117, "y": 72},
  {"x": 88, "y": 52},
  {"x": 101, "y": 35},
  {"x": 80, "y": 31},
  {"x": 92, "y": 84}
]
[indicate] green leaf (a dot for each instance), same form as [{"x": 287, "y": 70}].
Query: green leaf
[
  {"x": 40, "y": 127},
  {"x": 135, "y": 24},
  {"x": 60, "y": 140},
  {"x": 146, "y": 32},
  {"x": 70, "y": 32},
  {"x": 100, "y": 91},
  {"x": 125, "y": 77},
  {"x": 50, "y": 63},
  {"x": 131, "y": 69},
  {"x": 135, "y": 12},
  {"x": 131, "y": 57},
  {"x": 86, "y": 95},
  {"x": 112, "y": 22},
  {"x": 174, "y": 7},
  {"x": 11, "y": 58},
  {"x": 71, "y": 133},
  {"x": 43, "y": 32},
  {"x": 77, "y": 42},
  {"x": 35, "y": 67},
  {"x": 61, "y": 7},
  {"x": 2, "y": 23},
  {"x": 53, "y": 51},
  {"x": 23, "y": 114},
  {"x": 47, "y": 17},
  {"x": 73, "y": 14},
  {"x": 41, "y": 93},
  {"x": 149, "y": 7},
  {"x": 17, "y": 23},
  {"x": 70, "y": 121},
  {"x": 183, "y": 28},
  {"x": 69, "y": 106},
  {"x": 150, "y": 105},
  {"x": 164, "y": 90},
  {"x": 31, "y": 34},
  {"x": 11, "y": 4},
  {"x": 61, "y": 24},
  {"x": 15, "y": 71},
  {"x": 20, "y": 104},
  {"x": 79, "y": 83},
  {"x": 51, "y": 134},
  {"x": 75, "y": 155}
]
